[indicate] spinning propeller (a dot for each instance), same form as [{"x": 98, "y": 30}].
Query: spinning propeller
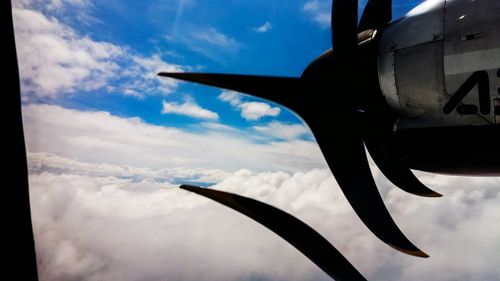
[{"x": 339, "y": 97}]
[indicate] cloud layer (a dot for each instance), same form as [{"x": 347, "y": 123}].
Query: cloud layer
[
  {"x": 107, "y": 228},
  {"x": 47, "y": 162},
  {"x": 99, "y": 137}
]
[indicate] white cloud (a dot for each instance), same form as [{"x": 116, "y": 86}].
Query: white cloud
[
  {"x": 58, "y": 4},
  {"x": 55, "y": 60},
  {"x": 249, "y": 110},
  {"x": 256, "y": 110},
  {"x": 218, "y": 126},
  {"x": 128, "y": 92},
  {"x": 104, "y": 206},
  {"x": 142, "y": 78},
  {"x": 99, "y": 137},
  {"x": 20, "y": 3},
  {"x": 188, "y": 108},
  {"x": 319, "y": 11},
  {"x": 231, "y": 97},
  {"x": 263, "y": 28},
  {"x": 283, "y": 131},
  {"x": 49, "y": 4},
  {"x": 206, "y": 40},
  {"x": 48, "y": 162},
  {"x": 212, "y": 36},
  {"x": 106, "y": 228},
  {"x": 42, "y": 162}
]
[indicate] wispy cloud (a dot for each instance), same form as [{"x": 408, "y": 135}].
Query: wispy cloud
[
  {"x": 58, "y": 4},
  {"x": 267, "y": 26},
  {"x": 207, "y": 41},
  {"x": 319, "y": 11},
  {"x": 140, "y": 73},
  {"x": 188, "y": 108},
  {"x": 249, "y": 110},
  {"x": 50, "y": 4},
  {"x": 282, "y": 130},
  {"x": 219, "y": 127},
  {"x": 214, "y": 37},
  {"x": 231, "y": 97}
]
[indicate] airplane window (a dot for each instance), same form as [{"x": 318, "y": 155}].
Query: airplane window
[{"x": 109, "y": 142}]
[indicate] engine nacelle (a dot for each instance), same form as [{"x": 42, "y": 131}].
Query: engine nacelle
[{"x": 439, "y": 64}]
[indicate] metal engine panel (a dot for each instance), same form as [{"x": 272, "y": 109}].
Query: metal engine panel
[{"x": 432, "y": 54}]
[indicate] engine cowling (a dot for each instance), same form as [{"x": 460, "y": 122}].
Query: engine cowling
[{"x": 439, "y": 68}]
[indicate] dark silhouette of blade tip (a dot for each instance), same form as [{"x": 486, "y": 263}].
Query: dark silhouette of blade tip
[
  {"x": 189, "y": 187},
  {"x": 433, "y": 194},
  {"x": 169, "y": 74},
  {"x": 416, "y": 253}
]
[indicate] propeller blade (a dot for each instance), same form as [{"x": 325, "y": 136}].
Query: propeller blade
[
  {"x": 300, "y": 235},
  {"x": 344, "y": 26},
  {"x": 345, "y": 154},
  {"x": 376, "y": 15},
  {"x": 377, "y": 136},
  {"x": 345, "y": 151},
  {"x": 395, "y": 170},
  {"x": 276, "y": 89}
]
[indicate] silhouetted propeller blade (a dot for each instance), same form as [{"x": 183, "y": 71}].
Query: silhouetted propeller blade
[
  {"x": 396, "y": 171},
  {"x": 376, "y": 15},
  {"x": 345, "y": 154},
  {"x": 341, "y": 139},
  {"x": 344, "y": 26},
  {"x": 297, "y": 233},
  {"x": 377, "y": 136},
  {"x": 277, "y": 89}
]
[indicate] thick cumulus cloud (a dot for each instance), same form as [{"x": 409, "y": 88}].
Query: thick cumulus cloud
[
  {"x": 107, "y": 228},
  {"x": 110, "y": 229},
  {"x": 99, "y": 137}
]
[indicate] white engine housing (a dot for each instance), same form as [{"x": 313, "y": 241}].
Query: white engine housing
[{"x": 429, "y": 54}]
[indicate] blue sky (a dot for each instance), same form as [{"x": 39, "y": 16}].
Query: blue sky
[
  {"x": 108, "y": 142},
  {"x": 214, "y": 36}
]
